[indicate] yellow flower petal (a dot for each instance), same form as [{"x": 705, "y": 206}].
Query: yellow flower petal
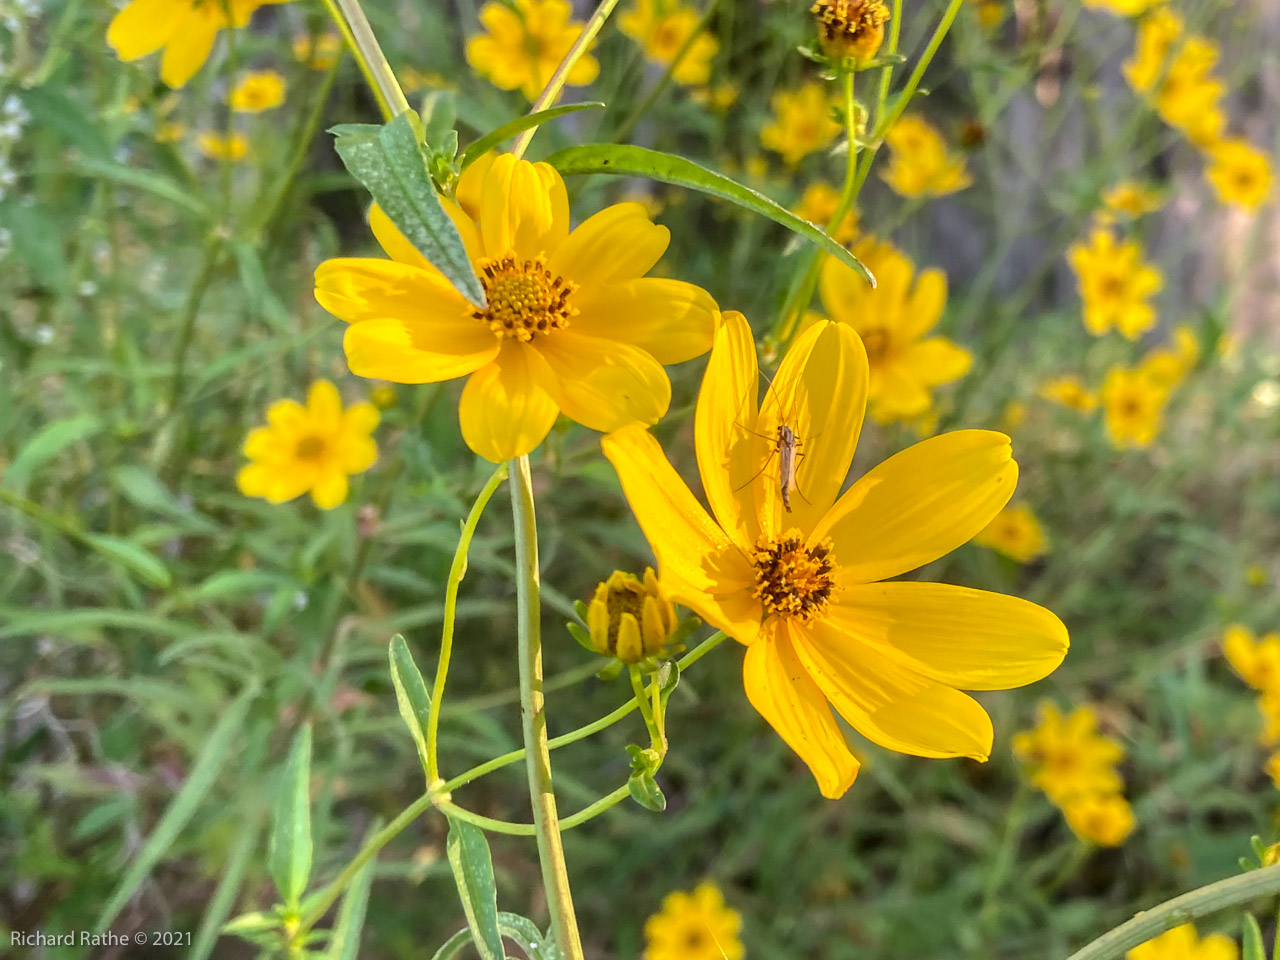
[
  {"x": 923, "y": 305},
  {"x": 324, "y": 406},
  {"x": 507, "y": 408},
  {"x": 970, "y": 639},
  {"x": 606, "y": 385},
  {"x": 362, "y": 288},
  {"x": 398, "y": 248},
  {"x": 188, "y": 49},
  {"x": 361, "y": 419},
  {"x": 820, "y": 392},
  {"x": 330, "y": 490},
  {"x": 723, "y": 425},
  {"x": 143, "y": 27},
  {"x": 920, "y": 504},
  {"x": 670, "y": 319},
  {"x": 783, "y": 693},
  {"x": 698, "y": 565},
  {"x": 936, "y": 361},
  {"x": 413, "y": 351},
  {"x": 286, "y": 414},
  {"x": 523, "y": 207},
  {"x": 890, "y": 704},
  {"x": 619, "y": 243}
]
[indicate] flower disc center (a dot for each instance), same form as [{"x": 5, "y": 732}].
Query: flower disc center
[
  {"x": 876, "y": 342},
  {"x": 525, "y": 299},
  {"x": 793, "y": 579},
  {"x": 310, "y": 448}
]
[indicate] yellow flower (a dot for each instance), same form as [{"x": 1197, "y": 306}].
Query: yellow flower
[
  {"x": 215, "y": 146},
  {"x": 1015, "y": 414},
  {"x": 663, "y": 29},
  {"x": 818, "y": 206},
  {"x": 990, "y": 12},
  {"x": 1134, "y": 405},
  {"x": 1256, "y": 661},
  {"x": 694, "y": 926},
  {"x": 412, "y": 80},
  {"x": 1131, "y": 199},
  {"x": 630, "y": 619},
  {"x": 719, "y": 98},
  {"x": 318, "y": 51},
  {"x": 384, "y": 398},
  {"x": 1123, "y": 8},
  {"x": 1067, "y": 756},
  {"x": 309, "y": 449},
  {"x": 893, "y": 320},
  {"x": 1240, "y": 174},
  {"x": 920, "y": 165},
  {"x": 183, "y": 29},
  {"x": 257, "y": 91},
  {"x": 1115, "y": 284},
  {"x": 802, "y": 123},
  {"x": 850, "y": 29},
  {"x": 1105, "y": 819},
  {"x": 1070, "y": 392},
  {"x": 1156, "y": 34},
  {"x": 170, "y": 132},
  {"x": 1183, "y": 943},
  {"x": 1269, "y": 707},
  {"x": 1016, "y": 533},
  {"x": 794, "y": 571},
  {"x": 1255, "y": 575},
  {"x": 1187, "y": 97},
  {"x": 1272, "y": 770},
  {"x": 1167, "y": 366},
  {"x": 572, "y": 324},
  {"x": 524, "y": 46}
]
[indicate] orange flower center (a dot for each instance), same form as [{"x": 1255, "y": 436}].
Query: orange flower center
[
  {"x": 793, "y": 579},
  {"x": 525, "y": 298},
  {"x": 850, "y": 28},
  {"x": 309, "y": 448},
  {"x": 876, "y": 341}
]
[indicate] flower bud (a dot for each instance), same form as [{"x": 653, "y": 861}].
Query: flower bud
[
  {"x": 630, "y": 619},
  {"x": 850, "y": 29}
]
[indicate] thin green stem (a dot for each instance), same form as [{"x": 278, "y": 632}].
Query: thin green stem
[
  {"x": 642, "y": 701},
  {"x": 350, "y": 19},
  {"x": 190, "y": 310},
  {"x": 555, "y": 875},
  {"x": 883, "y": 123},
  {"x": 1184, "y": 909},
  {"x": 551, "y": 92},
  {"x": 607, "y": 802},
  {"x": 457, "y": 570}
]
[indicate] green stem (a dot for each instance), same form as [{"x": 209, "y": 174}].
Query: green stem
[
  {"x": 190, "y": 310},
  {"x": 607, "y": 802},
  {"x": 350, "y": 18},
  {"x": 1190, "y": 906},
  {"x": 646, "y": 708},
  {"x": 883, "y": 123},
  {"x": 551, "y": 92},
  {"x": 555, "y": 875},
  {"x": 457, "y": 570}
]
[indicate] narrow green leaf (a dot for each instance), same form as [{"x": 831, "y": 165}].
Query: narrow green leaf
[
  {"x": 47, "y": 444},
  {"x": 128, "y": 554},
  {"x": 141, "y": 487},
  {"x": 37, "y": 241},
  {"x": 478, "y": 148},
  {"x": 235, "y": 583},
  {"x": 54, "y": 110},
  {"x": 629, "y": 161},
  {"x": 468, "y": 853},
  {"x": 526, "y": 935},
  {"x": 344, "y": 943},
  {"x": 289, "y": 852},
  {"x": 204, "y": 773},
  {"x": 1251, "y": 946},
  {"x": 411, "y": 694},
  {"x": 453, "y": 946},
  {"x": 645, "y": 791},
  {"x": 261, "y": 926},
  {"x": 224, "y": 895},
  {"x": 149, "y": 182},
  {"x": 389, "y": 161}
]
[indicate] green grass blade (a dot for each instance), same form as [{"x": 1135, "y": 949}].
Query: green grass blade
[
  {"x": 344, "y": 944},
  {"x": 483, "y": 145},
  {"x": 289, "y": 852}
]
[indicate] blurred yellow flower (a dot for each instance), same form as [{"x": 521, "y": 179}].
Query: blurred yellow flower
[
  {"x": 1105, "y": 819},
  {"x": 524, "y": 46},
  {"x": 990, "y": 12},
  {"x": 1182, "y": 90},
  {"x": 1240, "y": 173},
  {"x": 384, "y": 398},
  {"x": 170, "y": 132},
  {"x": 629, "y": 618},
  {"x": 802, "y": 123},
  {"x": 1134, "y": 406},
  {"x": 257, "y": 91},
  {"x": 1070, "y": 392},
  {"x": 1132, "y": 199},
  {"x": 229, "y": 148},
  {"x": 318, "y": 51},
  {"x": 795, "y": 571},
  {"x": 1067, "y": 756},
  {"x": 850, "y": 29},
  {"x": 1123, "y": 8},
  {"x": 1255, "y": 575},
  {"x": 1272, "y": 770},
  {"x": 694, "y": 926},
  {"x": 1257, "y": 661},
  {"x": 663, "y": 29},
  {"x": 1016, "y": 533},
  {"x": 572, "y": 324},
  {"x": 183, "y": 29},
  {"x": 412, "y": 80},
  {"x": 818, "y": 205},
  {"x": 920, "y": 164},
  {"x": 309, "y": 449},
  {"x": 1183, "y": 943},
  {"x": 893, "y": 319},
  {"x": 1115, "y": 284},
  {"x": 1015, "y": 414},
  {"x": 1169, "y": 366},
  {"x": 719, "y": 98}
]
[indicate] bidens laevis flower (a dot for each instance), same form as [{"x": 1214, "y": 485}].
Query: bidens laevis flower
[
  {"x": 1183, "y": 943},
  {"x": 694, "y": 926},
  {"x": 801, "y": 588},
  {"x": 526, "y": 41},
  {"x": 572, "y": 324}
]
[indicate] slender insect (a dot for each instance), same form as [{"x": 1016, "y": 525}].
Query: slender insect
[{"x": 786, "y": 446}]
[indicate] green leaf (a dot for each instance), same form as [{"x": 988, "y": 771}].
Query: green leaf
[
  {"x": 478, "y": 148},
  {"x": 526, "y": 935},
  {"x": 141, "y": 487},
  {"x": 37, "y": 242},
  {"x": 1251, "y": 945},
  {"x": 46, "y": 445},
  {"x": 149, "y": 182},
  {"x": 261, "y": 927},
  {"x": 235, "y": 583},
  {"x": 389, "y": 161},
  {"x": 131, "y": 556},
  {"x": 344, "y": 942},
  {"x": 645, "y": 791},
  {"x": 411, "y": 694},
  {"x": 583, "y": 638},
  {"x": 52, "y": 110},
  {"x": 629, "y": 161},
  {"x": 289, "y": 852},
  {"x": 204, "y": 773},
  {"x": 224, "y": 895},
  {"x": 468, "y": 852},
  {"x": 453, "y": 946}
]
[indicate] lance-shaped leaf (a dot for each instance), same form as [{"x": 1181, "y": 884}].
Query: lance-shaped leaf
[
  {"x": 289, "y": 852},
  {"x": 483, "y": 145},
  {"x": 390, "y": 162},
  {"x": 629, "y": 161},
  {"x": 411, "y": 694},
  {"x": 344, "y": 942},
  {"x": 468, "y": 853}
]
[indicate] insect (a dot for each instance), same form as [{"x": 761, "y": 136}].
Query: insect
[{"x": 786, "y": 446}]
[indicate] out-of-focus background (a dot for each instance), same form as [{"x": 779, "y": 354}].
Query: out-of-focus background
[{"x": 156, "y": 259}]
